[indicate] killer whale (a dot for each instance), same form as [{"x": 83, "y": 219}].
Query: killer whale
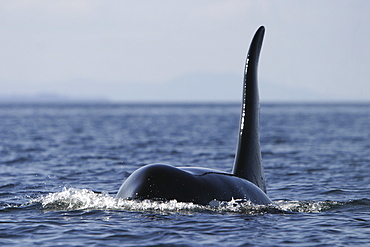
[{"x": 202, "y": 185}]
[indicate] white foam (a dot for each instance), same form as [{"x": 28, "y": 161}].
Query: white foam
[
  {"x": 306, "y": 206},
  {"x": 83, "y": 199}
]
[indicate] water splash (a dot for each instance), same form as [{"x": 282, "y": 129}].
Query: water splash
[{"x": 83, "y": 199}]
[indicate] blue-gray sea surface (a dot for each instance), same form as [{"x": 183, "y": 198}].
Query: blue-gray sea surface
[{"x": 61, "y": 165}]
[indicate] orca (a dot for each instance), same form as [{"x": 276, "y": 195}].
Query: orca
[{"x": 201, "y": 185}]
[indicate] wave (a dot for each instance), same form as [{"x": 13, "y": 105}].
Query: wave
[{"x": 83, "y": 199}]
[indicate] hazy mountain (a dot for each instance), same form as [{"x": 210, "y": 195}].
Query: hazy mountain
[
  {"x": 205, "y": 87},
  {"x": 46, "y": 98}
]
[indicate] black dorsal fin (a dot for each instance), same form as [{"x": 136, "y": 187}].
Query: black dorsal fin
[{"x": 248, "y": 160}]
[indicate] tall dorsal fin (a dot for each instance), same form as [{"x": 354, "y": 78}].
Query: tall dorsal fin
[{"x": 248, "y": 160}]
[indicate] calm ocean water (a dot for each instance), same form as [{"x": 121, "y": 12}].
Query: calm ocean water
[{"x": 61, "y": 166}]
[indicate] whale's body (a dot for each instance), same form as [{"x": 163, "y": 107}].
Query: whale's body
[
  {"x": 197, "y": 185},
  {"x": 202, "y": 185}
]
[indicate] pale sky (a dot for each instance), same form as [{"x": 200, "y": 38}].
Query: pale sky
[{"x": 184, "y": 50}]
